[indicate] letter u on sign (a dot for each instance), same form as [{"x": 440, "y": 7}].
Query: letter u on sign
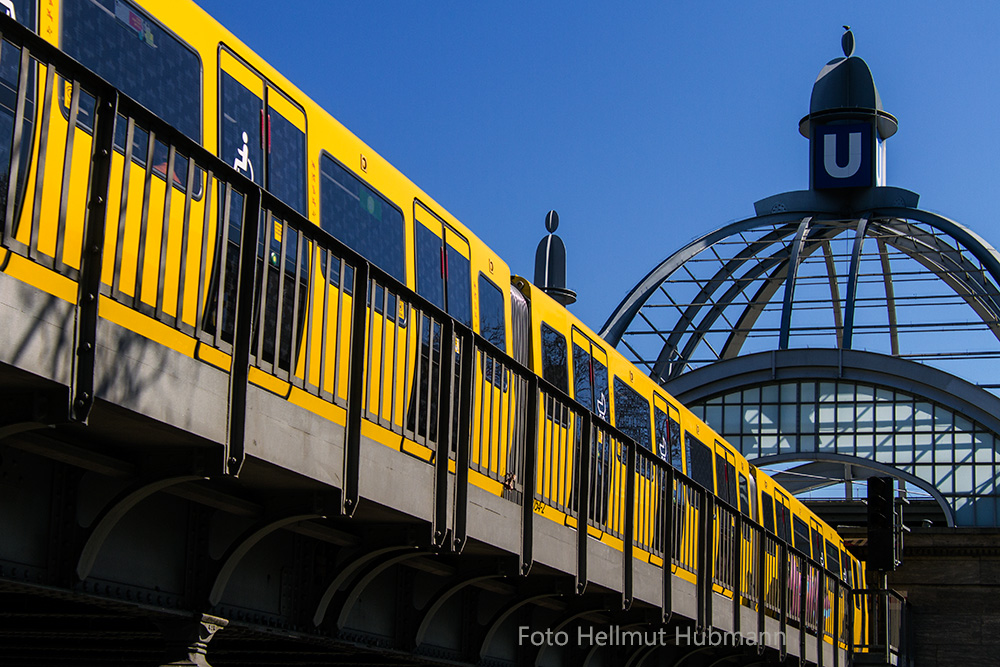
[{"x": 853, "y": 152}]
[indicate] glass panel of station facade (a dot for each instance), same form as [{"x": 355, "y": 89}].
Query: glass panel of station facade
[{"x": 957, "y": 455}]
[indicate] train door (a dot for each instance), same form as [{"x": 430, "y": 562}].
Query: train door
[
  {"x": 726, "y": 542},
  {"x": 783, "y": 529},
  {"x": 590, "y": 389},
  {"x": 262, "y": 135},
  {"x": 815, "y": 598},
  {"x": 556, "y": 458},
  {"x": 443, "y": 277},
  {"x": 664, "y": 500},
  {"x": 751, "y": 548},
  {"x": 667, "y": 423}
]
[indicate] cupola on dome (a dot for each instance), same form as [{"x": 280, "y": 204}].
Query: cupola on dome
[{"x": 845, "y": 86}]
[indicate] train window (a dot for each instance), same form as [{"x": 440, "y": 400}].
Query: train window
[
  {"x": 721, "y": 483},
  {"x": 801, "y": 535},
  {"x": 731, "y": 483},
  {"x": 583, "y": 380},
  {"x": 23, "y": 11},
  {"x": 492, "y": 324},
  {"x": 632, "y": 414},
  {"x": 242, "y": 111},
  {"x": 782, "y": 516},
  {"x": 123, "y": 45},
  {"x": 725, "y": 474},
  {"x": 286, "y": 146},
  {"x": 752, "y": 480},
  {"x": 699, "y": 462},
  {"x": 674, "y": 426},
  {"x": 361, "y": 218},
  {"x": 832, "y": 557},
  {"x": 661, "y": 424},
  {"x": 590, "y": 375},
  {"x": 554, "y": 358},
  {"x": 817, "y": 547},
  {"x": 744, "y": 495},
  {"x": 458, "y": 276},
  {"x": 767, "y": 511},
  {"x": 845, "y": 568},
  {"x": 429, "y": 269}
]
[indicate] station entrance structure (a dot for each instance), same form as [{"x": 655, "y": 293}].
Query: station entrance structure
[{"x": 841, "y": 328}]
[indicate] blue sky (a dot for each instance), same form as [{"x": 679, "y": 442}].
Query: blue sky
[{"x": 644, "y": 124}]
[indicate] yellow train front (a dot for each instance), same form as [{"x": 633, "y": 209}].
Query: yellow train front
[{"x": 171, "y": 272}]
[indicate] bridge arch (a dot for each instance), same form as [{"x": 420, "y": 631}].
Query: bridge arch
[{"x": 822, "y": 469}]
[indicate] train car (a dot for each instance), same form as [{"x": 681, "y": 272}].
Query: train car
[{"x": 170, "y": 274}]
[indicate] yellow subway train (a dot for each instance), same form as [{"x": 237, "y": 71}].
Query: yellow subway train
[{"x": 169, "y": 273}]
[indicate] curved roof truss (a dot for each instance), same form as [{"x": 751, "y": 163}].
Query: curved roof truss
[{"x": 751, "y": 261}]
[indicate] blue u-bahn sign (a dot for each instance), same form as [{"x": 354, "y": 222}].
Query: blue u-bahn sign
[{"x": 843, "y": 156}]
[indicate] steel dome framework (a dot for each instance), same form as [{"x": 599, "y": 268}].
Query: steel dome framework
[{"x": 912, "y": 297}]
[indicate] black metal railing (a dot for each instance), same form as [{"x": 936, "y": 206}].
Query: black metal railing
[
  {"x": 117, "y": 202},
  {"x": 882, "y": 618}
]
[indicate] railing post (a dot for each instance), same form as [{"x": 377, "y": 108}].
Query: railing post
[
  {"x": 446, "y": 403},
  {"x": 761, "y": 572},
  {"x": 629, "y": 542},
  {"x": 803, "y": 600},
  {"x": 355, "y": 392},
  {"x": 706, "y": 574},
  {"x": 784, "y": 584},
  {"x": 528, "y": 497},
  {"x": 667, "y": 503},
  {"x": 885, "y": 621},
  {"x": 467, "y": 386},
  {"x": 838, "y": 626},
  {"x": 850, "y": 621},
  {"x": 91, "y": 259},
  {"x": 14, "y": 173},
  {"x": 586, "y": 440},
  {"x": 244, "y": 324},
  {"x": 820, "y": 615},
  {"x": 737, "y": 570}
]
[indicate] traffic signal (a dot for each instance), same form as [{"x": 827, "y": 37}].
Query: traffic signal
[{"x": 883, "y": 524}]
